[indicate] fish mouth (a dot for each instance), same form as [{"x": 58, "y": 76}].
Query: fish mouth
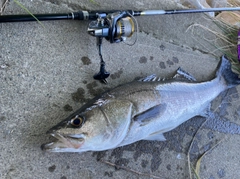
[{"x": 64, "y": 143}]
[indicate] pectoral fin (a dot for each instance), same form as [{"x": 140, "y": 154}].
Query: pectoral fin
[{"x": 150, "y": 114}]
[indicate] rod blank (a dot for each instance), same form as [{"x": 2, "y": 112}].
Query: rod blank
[
  {"x": 92, "y": 15},
  {"x": 40, "y": 17},
  {"x": 184, "y": 11}
]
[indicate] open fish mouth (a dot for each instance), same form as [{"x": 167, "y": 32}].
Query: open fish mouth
[{"x": 63, "y": 143}]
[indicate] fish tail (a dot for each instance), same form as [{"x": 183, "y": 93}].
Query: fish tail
[{"x": 225, "y": 71}]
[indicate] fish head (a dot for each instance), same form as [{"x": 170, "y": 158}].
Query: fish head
[{"x": 95, "y": 128}]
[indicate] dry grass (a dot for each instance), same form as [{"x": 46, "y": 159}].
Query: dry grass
[
  {"x": 2, "y": 6},
  {"x": 225, "y": 40},
  {"x": 228, "y": 24}
]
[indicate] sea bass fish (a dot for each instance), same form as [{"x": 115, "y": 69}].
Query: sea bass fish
[{"x": 139, "y": 110}]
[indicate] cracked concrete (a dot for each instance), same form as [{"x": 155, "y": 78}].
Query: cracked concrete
[{"x": 46, "y": 74}]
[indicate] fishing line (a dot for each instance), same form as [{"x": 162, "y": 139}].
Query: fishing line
[
  {"x": 177, "y": 51},
  {"x": 137, "y": 30}
]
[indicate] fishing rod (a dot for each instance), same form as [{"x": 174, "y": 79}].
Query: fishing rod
[{"x": 113, "y": 25}]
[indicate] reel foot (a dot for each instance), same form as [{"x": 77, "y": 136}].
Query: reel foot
[{"x": 102, "y": 74}]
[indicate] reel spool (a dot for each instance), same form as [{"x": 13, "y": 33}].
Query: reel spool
[{"x": 114, "y": 27}]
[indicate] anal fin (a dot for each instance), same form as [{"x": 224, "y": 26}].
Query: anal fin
[{"x": 156, "y": 136}]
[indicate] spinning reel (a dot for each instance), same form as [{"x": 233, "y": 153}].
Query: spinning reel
[{"x": 114, "y": 27}]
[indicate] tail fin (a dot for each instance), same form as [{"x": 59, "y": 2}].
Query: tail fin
[{"x": 225, "y": 71}]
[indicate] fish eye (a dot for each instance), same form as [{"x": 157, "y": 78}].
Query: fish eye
[{"x": 77, "y": 121}]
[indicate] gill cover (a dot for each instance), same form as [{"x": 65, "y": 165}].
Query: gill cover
[{"x": 117, "y": 115}]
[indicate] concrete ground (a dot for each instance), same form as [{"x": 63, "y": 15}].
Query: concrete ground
[{"x": 46, "y": 74}]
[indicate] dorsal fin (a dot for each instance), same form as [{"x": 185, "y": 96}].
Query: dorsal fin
[
  {"x": 148, "y": 78},
  {"x": 181, "y": 75},
  {"x": 152, "y": 77}
]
